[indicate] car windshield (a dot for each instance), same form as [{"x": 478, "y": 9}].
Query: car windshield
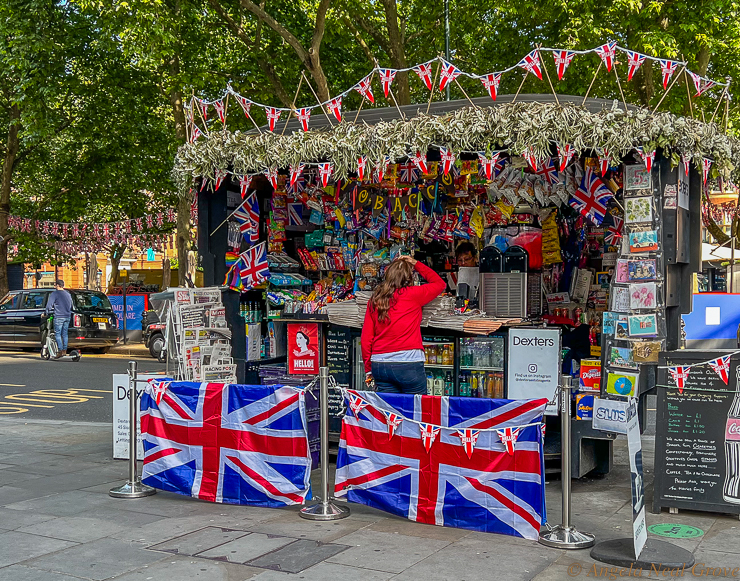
[{"x": 91, "y": 301}]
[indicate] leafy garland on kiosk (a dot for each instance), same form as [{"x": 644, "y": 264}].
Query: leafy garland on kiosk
[{"x": 516, "y": 127}]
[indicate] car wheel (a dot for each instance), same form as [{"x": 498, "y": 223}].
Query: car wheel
[
  {"x": 156, "y": 343},
  {"x": 101, "y": 350}
]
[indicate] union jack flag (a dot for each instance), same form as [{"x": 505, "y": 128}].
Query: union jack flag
[
  {"x": 614, "y": 232},
  {"x": 254, "y": 267},
  {"x": 549, "y": 171},
  {"x": 423, "y": 472},
  {"x": 635, "y": 62},
  {"x": 448, "y": 159},
  {"x": 531, "y": 64},
  {"x": 248, "y": 218},
  {"x": 220, "y": 109},
  {"x": 295, "y": 214},
  {"x": 386, "y": 78},
  {"x": 448, "y": 74},
  {"x": 234, "y": 444},
  {"x": 298, "y": 186},
  {"x": 195, "y": 133},
  {"x": 325, "y": 171},
  {"x": 273, "y": 115},
  {"x": 303, "y": 116},
  {"x": 562, "y": 61},
  {"x": 365, "y": 89},
  {"x": 408, "y": 172},
  {"x": 244, "y": 182},
  {"x": 220, "y": 177},
  {"x": 335, "y": 106},
  {"x": 667, "y": 68},
  {"x": 680, "y": 375},
  {"x": 591, "y": 197},
  {"x": 361, "y": 166},
  {"x": 606, "y": 52},
  {"x": 491, "y": 83},
  {"x": 420, "y": 161},
  {"x": 245, "y": 103},
  {"x": 647, "y": 158},
  {"x": 295, "y": 172},
  {"x": 271, "y": 173},
  {"x": 487, "y": 165},
  {"x": 721, "y": 367},
  {"x": 425, "y": 74},
  {"x": 565, "y": 154},
  {"x": 686, "y": 160},
  {"x": 604, "y": 158},
  {"x": 706, "y": 164}
]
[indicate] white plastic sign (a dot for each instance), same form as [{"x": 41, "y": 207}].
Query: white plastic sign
[
  {"x": 121, "y": 415},
  {"x": 534, "y": 363},
  {"x": 610, "y": 415}
]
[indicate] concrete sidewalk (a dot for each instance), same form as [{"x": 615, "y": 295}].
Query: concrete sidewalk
[{"x": 58, "y": 523}]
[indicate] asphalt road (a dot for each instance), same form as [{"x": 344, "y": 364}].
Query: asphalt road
[{"x": 33, "y": 388}]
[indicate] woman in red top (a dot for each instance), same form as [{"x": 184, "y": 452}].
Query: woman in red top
[{"x": 391, "y": 336}]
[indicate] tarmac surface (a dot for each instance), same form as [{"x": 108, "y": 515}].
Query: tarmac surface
[{"x": 58, "y": 523}]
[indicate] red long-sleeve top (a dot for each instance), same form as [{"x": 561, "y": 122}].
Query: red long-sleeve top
[{"x": 401, "y": 331}]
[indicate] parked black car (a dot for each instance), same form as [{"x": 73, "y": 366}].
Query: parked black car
[
  {"x": 153, "y": 333},
  {"x": 22, "y": 320}
]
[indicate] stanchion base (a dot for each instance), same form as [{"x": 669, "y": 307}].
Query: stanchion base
[
  {"x": 657, "y": 554},
  {"x": 561, "y": 537},
  {"x": 132, "y": 490},
  {"x": 324, "y": 511}
]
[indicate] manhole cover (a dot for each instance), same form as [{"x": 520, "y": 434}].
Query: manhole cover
[{"x": 675, "y": 531}]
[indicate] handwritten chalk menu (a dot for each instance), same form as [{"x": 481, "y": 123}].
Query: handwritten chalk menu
[
  {"x": 339, "y": 361},
  {"x": 690, "y": 454}
]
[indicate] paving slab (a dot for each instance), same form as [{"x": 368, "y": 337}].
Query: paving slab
[
  {"x": 184, "y": 568},
  {"x": 292, "y": 525},
  {"x": 13, "y": 478},
  {"x": 15, "y": 519},
  {"x": 711, "y": 564},
  {"x": 67, "y": 503},
  {"x": 246, "y": 548},
  {"x": 23, "y": 573},
  {"x": 12, "y": 494},
  {"x": 64, "y": 465},
  {"x": 97, "y": 560},
  {"x": 297, "y": 556},
  {"x": 16, "y": 547},
  {"x": 388, "y": 552},
  {"x": 198, "y": 541},
  {"x": 421, "y": 530},
  {"x": 79, "y": 529}
]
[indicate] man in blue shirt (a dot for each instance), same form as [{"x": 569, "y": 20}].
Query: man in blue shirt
[{"x": 60, "y": 302}]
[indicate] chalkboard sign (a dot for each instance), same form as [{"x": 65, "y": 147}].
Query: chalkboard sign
[
  {"x": 339, "y": 361},
  {"x": 691, "y": 465}
]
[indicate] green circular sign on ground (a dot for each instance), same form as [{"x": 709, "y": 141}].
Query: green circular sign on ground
[{"x": 674, "y": 531}]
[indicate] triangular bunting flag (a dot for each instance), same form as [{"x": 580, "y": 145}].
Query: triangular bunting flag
[
  {"x": 361, "y": 167},
  {"x": 468, "y": 438},
  {"x": 195, "y": 133},
  {"x": 428, "y": 435},
  {"x": 245, "y": 103},
  {"x": 529, "y": 155},
  {"x": 562, "y": 61},
  {"x": 721, "y": 367},
  {"x": 604, "y": 161},
  {"x": 304, "y": 115},
  {"x": 203, "y": 108},
  {"x": 335, "y": 106},
  {"x": 491, "y": 83},
  {"x": 271, "y": 174},
  {"x": 706, "y": 164},
  {"x": 273, "y": 115},
  {"x": 508, "y": 438},
  {"x": 635, "y": 62},
  {"x": 488, "y": 164},
  {"x": 647, "y": 158},
  {"x": 686, "y": 160},
  {"x": 531, "y": 64},
  {"x": 380, "y": 169},
  {"x": 325, "y": 171},
  {"x": 244, "y": 182},
  {"x": 386, "y": 78},
  {"x": 356, "y": 404},
  {"x": 667, "y": 68},
  {"x": 425, "y": 74},
  {"x": 565, "y": 153},
  {"x": 393, "y": 422},
  {"x": 448, "y": 73},
  {"x": 420, "y": 161},
  {"x": 295, "y": 173},
  {"x": 448, "y": 159},
  {"x": 364, "y": 88},
  {"x": 680, "y": 375},
  {"x": 220, "y": 110},
  {"x": 606, "y": 52},
  {"x": 220, "y": 175}
]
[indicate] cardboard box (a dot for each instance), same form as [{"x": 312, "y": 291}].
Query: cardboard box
[
  {"x": 584, "y": 406},
  {"x": 590, "y": 374}
]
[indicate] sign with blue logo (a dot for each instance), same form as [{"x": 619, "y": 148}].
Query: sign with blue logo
[
  {"x": 135, "y": 306},
  {"x": 610, "y": 415}
]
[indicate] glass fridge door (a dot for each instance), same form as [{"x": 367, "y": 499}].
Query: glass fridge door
[
  {"x": 439, "y": 364},
  {"x": 482, "y": 366}
]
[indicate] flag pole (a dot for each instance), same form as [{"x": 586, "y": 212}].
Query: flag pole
[
  {"x": 434, "y": 83},
  {"x": 669, "y": 88},
  {"x": 303, "y": 74},
  {"x": 372, "y": 76},
  {"x": 292, "y": 106},
  {"x": 592, "y": 83},
  {"x": 619, "y": 84},
  {"x": 526, "y": 74},
  {"x": 544, "y": 68}
]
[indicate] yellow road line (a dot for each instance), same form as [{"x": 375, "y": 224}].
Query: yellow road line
[{"x": 12, "y": 385}]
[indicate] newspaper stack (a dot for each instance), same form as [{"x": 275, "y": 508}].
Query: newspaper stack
[
  {"x": 344, "y": 313},
  {"x": 439, "y": 308},
  {"x": 362, "y": 298},
  {"x": 278, "y": 375}
]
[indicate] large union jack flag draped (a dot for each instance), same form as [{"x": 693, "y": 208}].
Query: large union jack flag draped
[
  {"x": 237, "y": 444},
  {"x": 591, "y": 197},
  {"x": 466, "y": 479}
]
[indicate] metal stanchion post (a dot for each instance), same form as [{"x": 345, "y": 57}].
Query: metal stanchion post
[
  {"x": 324, "y": 510},
  {"x": 133, "y": 488},
  {"x": 565, "y": 536}
]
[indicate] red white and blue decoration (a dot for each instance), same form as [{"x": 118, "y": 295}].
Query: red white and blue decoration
[
  {"x": 508, "y": 437},
  {"x": 647, "y": 158},
  {"x": 248, "y": 217},
  {"x": 680, "y": 374},
  {"x": 425, "y": 74},
  {"x": 491, "y": 83},
  {"x": 606, "y": 53},
  {"x": 445, "y": 463},
  {"x": 364, "y": 88},
  {"x": 565, "y": 154},
  {"x": 613, "y": 233},
  {"x": 449, "y": 73},
  {"x": 335, "y": 106},
  {"x": 304, "y": 115},
  {"x": 234, "y": 444},
  {"x": 487, "y": 165},
  {"x": 668, "y": 68},
  {"x": 273, "y": 115},
  {"x": 706, "y": 165},
  {"x": 531, "y": 64},
  {"x": 549, "y": 171},
  {"x": 386, "y": 78},
  {"x": 244, "y": 182},
  {"x": 591, "y": 197},
  {"x": 254, "y": 268},
  {"x": 635, "y": 61},
  {"x": 562, "y": 61},
  {"x": 448, "y": 159},
  {"x": 720, "y": 365}
]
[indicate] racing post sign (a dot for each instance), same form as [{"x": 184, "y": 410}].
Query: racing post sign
[
  {"x": 303, "y": 348},
  {"x": 534, "y": 364},
  {"x": 634, "y": 444}
]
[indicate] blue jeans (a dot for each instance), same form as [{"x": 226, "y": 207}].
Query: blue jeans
[
  {"x": 61, "y": 328},
  {"x": 399, "y": 377}
]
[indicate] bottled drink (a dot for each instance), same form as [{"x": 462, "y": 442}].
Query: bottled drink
[
  {"x": 448, "y": 355},
  {"x": 439, "y": 385},
  {"x": 430, "y": 384},
  {"x": 449, "y": 385},
  {"x": 433, "y": 354},
  {"x": 474, "y": 384},
  {"x": 464, "y": 385},
  {"x": 731, "y": 489}
]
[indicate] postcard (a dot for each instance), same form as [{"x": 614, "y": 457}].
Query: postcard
[
  {"x": 622, "y": 273},
  {"x": 643, "y": 296},
  {"x": 642, "y": 325},
  {"x": 624, "y": 384},
  {"x": 637, "y": 210},
  {"x": 641, "y": 270},
  {"x": 644, "y": 241},
  {"x": 620, "y": 299},
  {"x": 646, "y": 351},
  {"x": 636, "y": 177},
  {"x": 622, "y": 357}
]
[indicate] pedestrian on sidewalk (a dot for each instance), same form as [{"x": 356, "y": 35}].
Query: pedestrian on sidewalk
[
  {"x": 391, "y": 335},
  {"x": 60, "y": 302}
]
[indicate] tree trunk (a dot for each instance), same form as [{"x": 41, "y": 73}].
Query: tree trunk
[
  {"x": 166, "y": 274},
  {"x": 182, "y": 238},
  {"x": 397, "y": 51},
  {"x": 115, "y": 261},
  {"x": 643, "y": 83},
  {"x": 11, "y": 151}
]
